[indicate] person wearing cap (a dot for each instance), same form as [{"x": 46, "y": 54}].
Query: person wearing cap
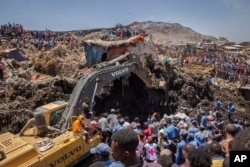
[
  {"x": 101, "y": 152},
  {"x": 112, "y": 118},
  {"x": 79, "y": 128}
]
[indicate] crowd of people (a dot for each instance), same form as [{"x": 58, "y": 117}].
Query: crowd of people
[
  {"x": 122, "y": 32},
  {"x": 46, "y": 39},
  {"x": 165, "y": 141},
  {"x": 228, "y": 66}
]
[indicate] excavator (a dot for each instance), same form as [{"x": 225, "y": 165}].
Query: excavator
[{"x": 47, "y": 139}]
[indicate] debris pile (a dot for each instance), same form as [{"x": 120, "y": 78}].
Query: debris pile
[{"x": 49, "y": 75}]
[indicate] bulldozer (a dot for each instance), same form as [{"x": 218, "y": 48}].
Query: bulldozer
[{"x": 47, "y": 139}]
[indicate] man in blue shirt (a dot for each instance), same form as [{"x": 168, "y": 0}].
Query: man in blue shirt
[
  {"x": 171, "y": 130},
  {"x": 179, "y": 155},
  {"x": 204, "y": 119},
  {"x": 217, "y": 104},
  {"x": 230, "y": 111}
]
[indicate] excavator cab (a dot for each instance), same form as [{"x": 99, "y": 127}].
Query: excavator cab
[
  {"x": 46, "y": 116},
  {"x": 50, "y": 114}
]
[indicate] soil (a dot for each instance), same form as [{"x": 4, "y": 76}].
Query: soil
[{"x": 61, "y": 67}]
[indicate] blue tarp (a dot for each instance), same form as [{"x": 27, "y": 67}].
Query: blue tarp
[
  {"x": 15, "y": 55},
  {"x": 94, "y": 53}
]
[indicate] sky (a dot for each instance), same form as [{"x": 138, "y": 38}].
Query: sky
[{"x": 219, "y": 18}]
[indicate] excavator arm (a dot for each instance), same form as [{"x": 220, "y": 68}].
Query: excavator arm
[
  {"x": 89, "y": 84},
  {"x": 97, "y": 78}
]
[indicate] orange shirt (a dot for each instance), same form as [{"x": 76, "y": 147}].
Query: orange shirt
[{"x": 78, "y": 126}]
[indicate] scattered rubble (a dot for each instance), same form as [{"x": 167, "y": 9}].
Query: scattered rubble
[{"x": 49, "y": 75}]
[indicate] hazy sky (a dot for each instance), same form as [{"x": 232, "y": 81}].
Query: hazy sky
[{"x": 219, "y": 18}]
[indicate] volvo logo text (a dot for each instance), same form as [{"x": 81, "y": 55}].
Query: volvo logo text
[
  {"x": 119, "y": 72},
  {"x": 65, "y": 156}
]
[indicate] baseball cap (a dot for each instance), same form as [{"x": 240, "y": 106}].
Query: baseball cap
[{"x": 101, "y": 148}]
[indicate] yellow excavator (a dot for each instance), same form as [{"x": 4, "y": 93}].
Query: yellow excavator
[{"x": 47, "y": 139}]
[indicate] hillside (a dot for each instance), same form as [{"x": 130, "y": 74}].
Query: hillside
[{"x": 170, "y": 33}]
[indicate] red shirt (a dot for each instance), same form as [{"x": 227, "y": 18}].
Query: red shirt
[{"x": 147, "y": 132}]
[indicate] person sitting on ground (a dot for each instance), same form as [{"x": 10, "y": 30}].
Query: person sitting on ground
[
  {"x": 215, "y": 152},
  {"x": 199, "y": 158},
  {"x": 79, "y": 128},
  {"x": 123, "y": 147}
]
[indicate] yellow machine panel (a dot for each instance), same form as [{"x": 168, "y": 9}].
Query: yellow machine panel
[
  {"x": 14, "y": 148},
  {"x": 27, "y": 149}
]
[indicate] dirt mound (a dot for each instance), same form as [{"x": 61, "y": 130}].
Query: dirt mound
[{"x": 24, "y": 89}]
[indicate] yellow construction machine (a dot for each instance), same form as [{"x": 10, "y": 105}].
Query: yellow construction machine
[
  {"x": 62, "y": 149},
  {"x": 47, "y": 139}
]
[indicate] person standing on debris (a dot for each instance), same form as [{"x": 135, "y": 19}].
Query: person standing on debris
[
  {"x": 2, "y": 67},
  {"x": 217, "y": 104},
  {"x": 86, "y": 109},
  {"x": 230, "y": 111}
]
